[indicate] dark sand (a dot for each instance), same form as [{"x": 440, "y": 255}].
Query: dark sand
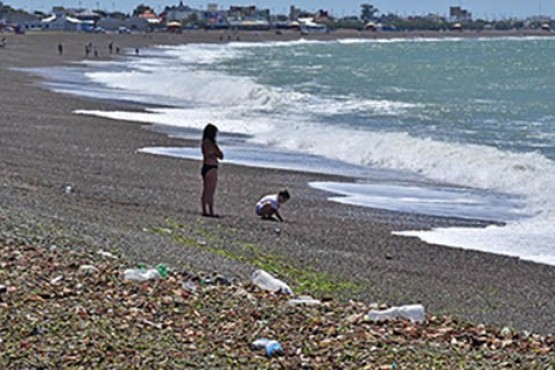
[{"x": 118, "y": 193}]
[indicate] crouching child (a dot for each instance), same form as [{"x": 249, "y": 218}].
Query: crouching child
[{"x": 269, "y": 205}]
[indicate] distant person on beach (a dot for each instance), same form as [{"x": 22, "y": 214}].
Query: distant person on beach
[
  {"x": 211, "y": 153},
  {"x": 111, "y": 47},
  {"x": 269, "y": 205},
  {"x": 3, "y": 43},
  {"x": 60, "y": 49}
]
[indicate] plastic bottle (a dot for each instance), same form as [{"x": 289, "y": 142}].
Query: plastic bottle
[
  {"x": 106, "y": 254},
  {"x": 87, "y": 270},
  {"x": 141, "y": 274},
  {"x": 304, "y": 300},
  {"x": 413, "y": 312},
  {"x": 162, "y": 270},
  {"x": 265, "y": 281},
  {"x": 189, "y": 286},
  {"x": 271, "y": 347}
]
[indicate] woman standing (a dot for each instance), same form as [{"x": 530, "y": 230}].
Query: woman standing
[{"x": 211, "y": 153}]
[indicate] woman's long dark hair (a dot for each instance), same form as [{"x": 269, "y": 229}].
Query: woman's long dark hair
[{"x": 210, "y": 132}]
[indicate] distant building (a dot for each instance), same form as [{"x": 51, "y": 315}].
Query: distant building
[
  {"x": 110, "y": 23},
  {"x": 294, "y": 13},
  {"x": 435, "y": 18},
  {"x": 247, "y": 12},
  {"x": 242, "y": 11},
  {"x": 86, "y": 15},
  {"x": 250, "y": 25},
  {"x": 139, "y": 24},
  {"x": 217, "y": 19},
  {"x": 178, "y": 13},
  {"x": 150, "y": 17},
  {"x": 322, "y": 16},
  {"x": 21, "y": 19},
  {"x": 62, "y": 22},
  {"x": 458, "y": 14},
  {"x": 59, "y": 11},
  {"x": 308, "y": 26}
]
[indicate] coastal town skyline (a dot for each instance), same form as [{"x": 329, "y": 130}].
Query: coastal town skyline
[{"x": 487, "y": 9}]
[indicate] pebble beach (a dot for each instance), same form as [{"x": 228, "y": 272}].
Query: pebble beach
[{"x": 147, "y": 207}]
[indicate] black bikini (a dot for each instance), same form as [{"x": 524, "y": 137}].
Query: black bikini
[{"x": 207, "y": 167}]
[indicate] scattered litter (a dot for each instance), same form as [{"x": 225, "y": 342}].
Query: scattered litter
[
  {"x": 107, "y": 314},
  {"x": 271, "y": 347},
  {"x": 506, "y": 333},
  {"x": 141, "y": 274},
  {"x": 153, "y": 324},
  {"x": 189, "y": 286},
  {"x": 55, "y": 281},
  {"x": 413, "y": 312},
  {"x": 87, "y": 270},
  {"x": 215, "y": 280},
  {"x": 37, "y": 330},
  {"x": 265, "y": 281},
  {"x": 277, "y": 231},
  {"x": 222, "y": 280},
  {"x": 304, "y": 300},
  {"x": 68, "y": 189},
  {"x": 162, "y": 270},
  {"x": 52, "y": 248},
  {"x": 355, "y": 318},
  {"x": 107, "y": 254}
]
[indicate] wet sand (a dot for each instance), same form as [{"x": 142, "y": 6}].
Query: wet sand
[{"x": 120, "y": 196}]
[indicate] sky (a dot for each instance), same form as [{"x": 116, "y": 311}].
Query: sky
[{"x": 486, "y": 9}]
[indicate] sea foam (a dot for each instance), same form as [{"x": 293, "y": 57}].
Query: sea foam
[{"x": 296, "y": 121}]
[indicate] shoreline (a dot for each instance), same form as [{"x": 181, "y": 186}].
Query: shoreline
[{"x": 119, "y": 193}]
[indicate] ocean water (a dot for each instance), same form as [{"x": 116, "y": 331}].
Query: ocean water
[{"x": 449, "y": 127}]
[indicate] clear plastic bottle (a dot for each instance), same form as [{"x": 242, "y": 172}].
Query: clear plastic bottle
[
  {"x": 141, "y": 274},
  {"x": 265, "y": 281},
  {"x": 413, "y": 312},
  {"x": 271, "y": 347},
  {"x": 304, "y": 300}
]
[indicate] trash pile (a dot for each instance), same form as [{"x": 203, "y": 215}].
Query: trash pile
[{"x": 61, "y": 308}]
